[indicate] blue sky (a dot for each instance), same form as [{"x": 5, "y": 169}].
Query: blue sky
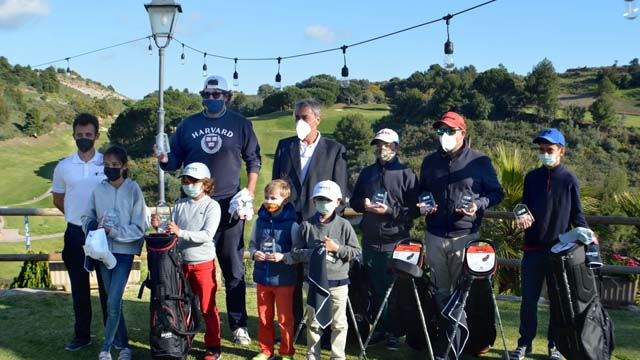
[{"x": 517, "y": 34}]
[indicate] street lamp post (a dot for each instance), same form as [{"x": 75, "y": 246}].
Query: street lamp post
[{"x": 163, "y": 15}]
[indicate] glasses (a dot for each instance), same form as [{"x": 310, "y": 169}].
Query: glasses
[
  {"x": 207, "y": 94},
  {"x": 448, "y": 131}
]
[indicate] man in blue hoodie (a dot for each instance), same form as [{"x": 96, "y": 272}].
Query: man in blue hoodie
[
  {"x": 552, "y": 195},
  {"x": 221, "y": 139}
]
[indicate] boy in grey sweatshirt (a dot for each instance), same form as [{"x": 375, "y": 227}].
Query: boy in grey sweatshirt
[{"x": 328, "y": 230}]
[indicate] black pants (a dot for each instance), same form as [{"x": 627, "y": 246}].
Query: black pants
[
  {"x": 73, "y": 257},
  {"x": 229, "y": 243}
]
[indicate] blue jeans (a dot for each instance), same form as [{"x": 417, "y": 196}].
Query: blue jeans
[
  {"x": 115, "y": 280},
  {"x": 535, "y": 268}
]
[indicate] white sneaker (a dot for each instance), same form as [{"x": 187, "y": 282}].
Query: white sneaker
[
  {"x": 125, "y": 354},
  {"x": 241, "y": 336},
  {"x": 104, "y": 355}
]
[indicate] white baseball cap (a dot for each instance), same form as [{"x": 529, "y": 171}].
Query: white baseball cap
[
  {"x": 196, "y": 170},
  {"x": 386, "y": 135},
  {"x": 216, "y": 82},
  {"x": 327, "y": 189}
]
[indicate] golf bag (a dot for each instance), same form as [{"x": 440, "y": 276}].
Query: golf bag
[
  {"x": 583, "y": 327},
  {"x": 481, "y": 318},
  {"x": 359, "y": 301},
  {"x": 174, "y": 309}
]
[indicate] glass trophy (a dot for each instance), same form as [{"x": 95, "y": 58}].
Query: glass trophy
[
  {"x": 268, "y": 245},
  {"x": 163, "y": 211},
  {"x": 162, "y": 144},
  {"x": 521, "y": 213},
  {"x": 111, "y": 218},
  {"x": 465, "y": 202},
  {"x": 380, "y": 197},
  {"x": 426, "y": 198}
]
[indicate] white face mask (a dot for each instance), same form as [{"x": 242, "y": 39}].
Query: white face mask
[
  {"x": 547, "y": 159},
  {"x": 448, "y": 142},
  {"x": 325, "y": 207},
  {"x": 302, "y": 129}
]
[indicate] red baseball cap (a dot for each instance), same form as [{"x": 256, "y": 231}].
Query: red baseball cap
[{"x": 451, "y": 119}]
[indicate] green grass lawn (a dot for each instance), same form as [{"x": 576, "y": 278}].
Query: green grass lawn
[
  {"x": 40, "y": 326},
  {"x": 11, "y": 269}
]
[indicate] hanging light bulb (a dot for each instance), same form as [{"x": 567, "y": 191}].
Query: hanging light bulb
[
  {"x": 150, "y": 48},
  {"x": 182, "y": 57},
  {"x": 630, "y": 9},
  {"x": 236, "y": 82},
  {"x": 344, "y": 80},
  {"x": 204, "y": 66},
  {"x": 68, "y": 68},
  {"x": 278, "y": 84},
  {"x": 448, "y": 48}
]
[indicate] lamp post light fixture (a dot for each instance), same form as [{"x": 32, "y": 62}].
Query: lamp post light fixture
[{"x": 163, "y": 15}]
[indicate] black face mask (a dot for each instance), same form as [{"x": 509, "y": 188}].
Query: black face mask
[
  {"x": 112, "y": 173},
  {"x": 84, "y": 144}
]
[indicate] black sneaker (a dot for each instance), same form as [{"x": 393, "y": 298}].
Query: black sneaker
[
  {"x": 77, "y": 344},
  {"x": 393, "y": 343}
]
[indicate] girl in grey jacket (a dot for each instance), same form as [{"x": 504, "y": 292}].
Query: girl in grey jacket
[{"x": 117, "y": 205}]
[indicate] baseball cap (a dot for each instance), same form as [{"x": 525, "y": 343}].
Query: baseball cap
[
  {"x": 216, "y": 82},
  {"x": 551, "y": 135},
  {"x": 386, "y": 135},
  {"x": 451, "y": 119},
  {"x": 327, "y": 189},
  {"x": 196, "y": 170}
]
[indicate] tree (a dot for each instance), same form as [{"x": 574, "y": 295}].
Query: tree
[
  {"x": 322, "y": 81},
  {"x": 542, "y": 87},
  {"x": 476, "y": 106},
  {"x": 265, "y": 90},
  {"x": 355, "y": 133},
  {"x": 448, "y": 95},
  {"x": 575, "y": 113},
  {"x": 33, "y": 123},
  {"x": 4, "y": 111},
  {"x": 408, "y": 107},
  {"x": 606, "y": 86},
  {"x": 603, "y": 112},
  {"x": 499, "y": 88}
]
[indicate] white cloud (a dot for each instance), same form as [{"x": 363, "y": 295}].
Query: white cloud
[
  {"x": 319, "y": 32},
  {"x": 15, "y": 13}
]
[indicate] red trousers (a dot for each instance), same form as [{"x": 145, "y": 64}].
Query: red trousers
[
  {"x": 202, "y": 278},
  {"x": 283, "y": 298}
]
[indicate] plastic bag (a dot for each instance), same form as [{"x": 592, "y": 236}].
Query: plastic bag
[{"x": 96, "y": 247}]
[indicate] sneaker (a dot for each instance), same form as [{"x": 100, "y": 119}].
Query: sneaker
[
  {"x": 212, "y": 355},
  {"x": 519, "y": 353},
  {"x": 125, "y": 354},
  {"x": 241, "y": 336},
  {"x": 104, "y": 355},
  {"x": 554, "y": 354},
  {"x": 262, "y": 356},
  {"x": 393, "y": 343},
  {"x": 377, "y": 338},
  {"x": 77, "y": 344}
]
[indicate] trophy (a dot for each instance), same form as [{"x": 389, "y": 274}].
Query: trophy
[
  {"x": 465, "y": 202},
  {"x": 111, "y": 218},
  {"x": 268, "y": 245},
  {"x": 162, "y": 144},
  {"x": 163, "y": 211},
  {"x": 522, "y": 213},
  {"x": 426, "y": 198},
  {"x": 379, "y": 197}
]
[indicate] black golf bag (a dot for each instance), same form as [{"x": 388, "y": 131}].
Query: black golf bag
[
  {"x": 174, "y": 309},
  {"x": 481, "y": 318},
  {"x": 583, "y": 328},
  {"x": 359, "y": 301}
]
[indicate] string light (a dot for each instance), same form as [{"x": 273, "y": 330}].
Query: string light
[
  {"x": 448, "y": 47},
  {"x": 204, "y": 66},
  {"x": 344, "y": 80},
  {"x": 278, "y": 84},
  {"x": 630, "y": 9},
  {"x": 68, "y": 68},
  {"x": 236, "y": 81}
]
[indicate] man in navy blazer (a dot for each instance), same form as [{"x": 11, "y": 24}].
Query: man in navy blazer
[{"x": 304, "y": 160}]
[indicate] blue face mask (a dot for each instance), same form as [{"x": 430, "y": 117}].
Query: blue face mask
[
  {"x": 192, "y": 191},
  {"x": 213, "y": 106}
]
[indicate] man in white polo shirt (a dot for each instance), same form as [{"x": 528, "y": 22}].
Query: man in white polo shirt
[{"x": 74, "y": 180}]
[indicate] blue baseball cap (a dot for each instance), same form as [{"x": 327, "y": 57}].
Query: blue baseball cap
[{"x": 551, "y": 135}]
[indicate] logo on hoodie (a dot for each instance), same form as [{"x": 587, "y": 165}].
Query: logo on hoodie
[{"x": 211, "y": 143}]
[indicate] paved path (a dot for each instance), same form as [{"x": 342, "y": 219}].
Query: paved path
[{"x": 34, "y": 200}]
